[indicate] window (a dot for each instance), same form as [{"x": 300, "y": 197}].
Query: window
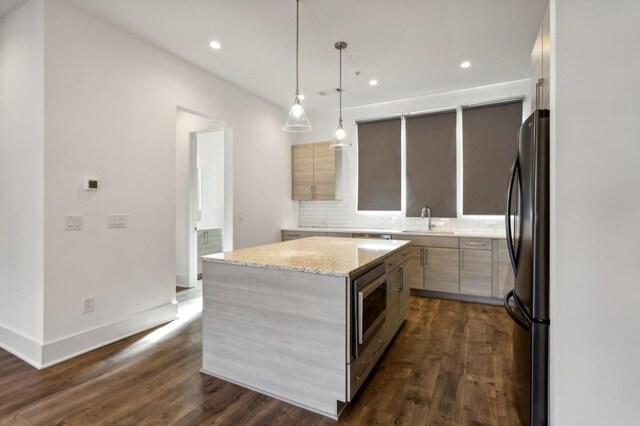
[
  {"x": 490, "y": 137},
  {"x": 379, "y": 165},
  {"x": 431, "y": 164}
]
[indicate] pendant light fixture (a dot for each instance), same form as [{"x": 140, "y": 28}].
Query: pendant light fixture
[
  {"x": 297, "y": 120},
  {"x": 340, "y": 138}
]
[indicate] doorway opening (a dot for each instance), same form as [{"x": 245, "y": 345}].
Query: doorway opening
[{"x": 204, "y": 193}]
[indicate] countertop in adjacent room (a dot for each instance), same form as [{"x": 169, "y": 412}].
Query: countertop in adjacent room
[{"x": 318, "y": 255}]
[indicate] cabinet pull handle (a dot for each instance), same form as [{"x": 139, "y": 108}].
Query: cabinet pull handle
[
  {"x": 425, "y": 257},
  {"x": 401, "y": 279},
  {"x": 421, "y": 256},
  {"x": 470, "y": 243},
  {"x": 539, "y": 84}
]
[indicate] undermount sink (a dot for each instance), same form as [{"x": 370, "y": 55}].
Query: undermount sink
[{"x": 430, "y": 232}]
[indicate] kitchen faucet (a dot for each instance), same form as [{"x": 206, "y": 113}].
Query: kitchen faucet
[{"x": 426, "y": 210}]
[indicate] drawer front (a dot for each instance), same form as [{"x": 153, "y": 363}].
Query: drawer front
[
  {"x": 428, "y": 241},
  {"x": 360, "y": 368},
  {"x": 296, "y": 235},
  {"x": 475, "y": 243},
  {"x": 393, "y": 261},
  {"x": 340, "y": 234}
]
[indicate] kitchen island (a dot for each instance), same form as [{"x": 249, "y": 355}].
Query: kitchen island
[{"x": 305, "y": 320}]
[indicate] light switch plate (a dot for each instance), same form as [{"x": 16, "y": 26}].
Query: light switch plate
[
  {"x": 117, "y": 220},
  {"x": 73, "y": 222}
]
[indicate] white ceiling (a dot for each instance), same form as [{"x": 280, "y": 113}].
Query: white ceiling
[{"x": 412, "y": 47}]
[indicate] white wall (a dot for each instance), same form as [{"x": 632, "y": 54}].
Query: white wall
[
  {"x": 110, "y": 102},
  {"x": 324, "y": 125},
  {"x": 211, "y": 164},
  {"x": 595, "y": 332},
  {"x": 21, "y": 180}
]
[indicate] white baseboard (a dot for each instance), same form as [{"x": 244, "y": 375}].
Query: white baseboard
[
  {"x": 182, "y": 280},
  {"x": 20, "y": 345},
  {"x": 45, "y": 355},
  {"x": 77, "y": 344}
]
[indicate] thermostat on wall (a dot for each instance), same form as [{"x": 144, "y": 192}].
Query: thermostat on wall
[{"x": 91, "y": 184}]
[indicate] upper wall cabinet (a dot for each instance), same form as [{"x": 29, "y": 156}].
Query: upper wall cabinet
[
  {"x": 314, "y": 174},
  {"x": 431, "y": 163},
  {"x": 541, "y": 67},
  {"x": 490, "y": 137},
  {"x": 380, "y": 165}
]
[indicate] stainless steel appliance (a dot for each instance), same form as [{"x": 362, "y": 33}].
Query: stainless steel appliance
[
  {"x": 369, "y": 307},
  {"x": 527, "y": 221}
]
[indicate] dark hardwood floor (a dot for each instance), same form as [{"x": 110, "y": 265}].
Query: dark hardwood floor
[{"x": 449, "y": 365}]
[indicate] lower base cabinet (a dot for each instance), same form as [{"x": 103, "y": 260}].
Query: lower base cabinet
[
  {"x": 476, "y": 272},
  {"x": 442, "y": 269}
]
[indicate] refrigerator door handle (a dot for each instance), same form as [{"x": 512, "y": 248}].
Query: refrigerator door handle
[
  {"x": 522, "y": 323},
  {"x": 507, "y": 214}
]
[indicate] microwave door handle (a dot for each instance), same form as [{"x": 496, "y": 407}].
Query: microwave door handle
[
  {"x": 507, "y": 214},
  {"x": 360, "y": 310}
]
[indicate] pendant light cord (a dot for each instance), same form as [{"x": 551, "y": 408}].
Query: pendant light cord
[
  {"x": 340, "y": 89},
  {"x": 297, "y": 42}
]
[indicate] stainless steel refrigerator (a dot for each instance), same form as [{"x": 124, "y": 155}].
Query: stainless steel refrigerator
[{"x": 527, "y": 221}]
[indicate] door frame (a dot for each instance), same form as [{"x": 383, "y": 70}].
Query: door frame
[{"x": 192, "y": 208}]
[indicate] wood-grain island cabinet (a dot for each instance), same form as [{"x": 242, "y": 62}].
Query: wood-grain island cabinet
[{"x": 314, "y": 172}]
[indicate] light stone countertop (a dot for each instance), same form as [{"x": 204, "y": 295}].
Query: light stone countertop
[
  {"x": 317, "y": 255},
  {"x": 434, "y": 233}
]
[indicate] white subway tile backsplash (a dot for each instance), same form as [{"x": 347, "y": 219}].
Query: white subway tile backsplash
[{"x": 344, "y": 214}]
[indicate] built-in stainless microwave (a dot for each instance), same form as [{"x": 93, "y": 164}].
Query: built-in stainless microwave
[{"x": 369, "y": 307}]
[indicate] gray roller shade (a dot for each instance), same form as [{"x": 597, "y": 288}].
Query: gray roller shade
[
  {"x": 431, "y": 164},
  {"x": 379, "y": 165},
  {"x": 490, "y": 137}
]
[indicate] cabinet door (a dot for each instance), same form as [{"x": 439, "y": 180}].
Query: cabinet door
[
  {"x": 393, "y": 284},
  {"x": 403, "y": 292},
  {"x": 415, "y": 268},
  {"x": 442, "y": 269},
  {"x": 324, "y": 171},
  {"x": 476, "y": 272},
  {"x": 302, "y": 171},
  {"x": 506, "y": 278}
]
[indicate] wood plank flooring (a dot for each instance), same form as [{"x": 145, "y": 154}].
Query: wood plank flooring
[{"x": 449, "y": 365}]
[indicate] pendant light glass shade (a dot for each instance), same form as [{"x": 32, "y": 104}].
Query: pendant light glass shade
[
  {"x": 297, "y": 120},
  {"x": 340, "y": 137}
]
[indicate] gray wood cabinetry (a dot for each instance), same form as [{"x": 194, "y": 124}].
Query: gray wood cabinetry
[
  {"x": 476, "y": 266},
  {"x": 468, "y": 268},
  {"x": 296, "y": 235},
  {"x": 209, "y": 242},
  {"x": 503, "y": 277}
]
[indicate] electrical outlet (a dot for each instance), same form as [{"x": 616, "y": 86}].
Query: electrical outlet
[
  {"x": 88, "y": 305},
  {"x": 117, "y": 220},
  {"x": 73, "y": 222}
]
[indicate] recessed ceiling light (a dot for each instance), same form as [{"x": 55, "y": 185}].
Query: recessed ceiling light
[
  {"x": 301, "y": 96},
  {"x": 373, "y": 82},
  {"x": 215, "y": 44},
  {"x": 465, "y": 64}
]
